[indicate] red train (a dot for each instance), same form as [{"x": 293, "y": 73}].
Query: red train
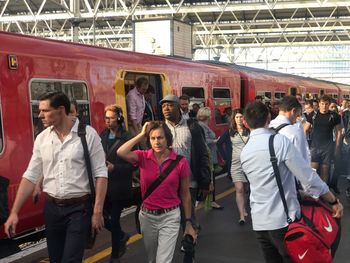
[{"x": 96, "y": 77}]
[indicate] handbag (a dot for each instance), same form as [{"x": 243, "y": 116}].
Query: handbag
[
  {"x": 91, "y": 237},
  {"x": 316, "y": 234}
]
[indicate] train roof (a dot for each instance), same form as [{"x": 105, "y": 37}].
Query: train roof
[
  {"x": 11, "y": 42},
  {"x": 273, "y": 73}
]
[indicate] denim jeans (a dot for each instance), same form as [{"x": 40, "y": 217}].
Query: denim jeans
[
  {"x": 160, "y": 233},
  {"x": 67, "y": 228},
  {"x": 116, "y": 229}
]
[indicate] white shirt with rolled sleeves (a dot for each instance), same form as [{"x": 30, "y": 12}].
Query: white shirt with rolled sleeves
[
  {"x": 63, "y": 164},
  {"x": 266, "y": 205},
  {"x": 294, "y": 133}
]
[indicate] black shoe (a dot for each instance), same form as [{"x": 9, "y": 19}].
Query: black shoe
[
  {"x": 114, "y": 260},
  {"x": 241, "y": 222},
  {"x": 123, "y": 242}
]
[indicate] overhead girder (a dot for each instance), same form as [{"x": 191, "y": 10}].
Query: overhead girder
[{"x": 226, "y": 23}]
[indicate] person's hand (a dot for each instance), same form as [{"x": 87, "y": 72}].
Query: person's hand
[
  {"x": 36, "y": 193},
  {"x": 10, "y": 225},
  {"x": 145, "y": 128},
  {"x": 211, "y": 187},
  {"x": 338, "y": 210},
  {"x": 97, "y": 222},
  {"x": 110, "y": 166},
  {"x": 190, "y": 231}
]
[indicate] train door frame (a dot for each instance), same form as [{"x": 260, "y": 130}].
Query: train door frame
[
  {"x": 244, "y": 92},
  {"x": 84, "y": 99},
  {"x": 162, "y": 89}
]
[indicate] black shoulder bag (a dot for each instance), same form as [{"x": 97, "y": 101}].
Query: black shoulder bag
[{"x": 82, "y": 133}]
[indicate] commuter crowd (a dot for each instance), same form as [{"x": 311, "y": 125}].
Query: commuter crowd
[{"x": 175, "y": 158}]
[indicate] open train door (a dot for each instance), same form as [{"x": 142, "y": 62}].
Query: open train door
[
  {"x": 246, "y": 94},
  {"x": 159, "y": 86}
]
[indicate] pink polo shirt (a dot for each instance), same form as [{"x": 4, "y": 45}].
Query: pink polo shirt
[{"x": 166, "y": 195}]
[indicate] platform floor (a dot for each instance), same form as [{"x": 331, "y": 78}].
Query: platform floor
[{"x": 222, "y": 239}]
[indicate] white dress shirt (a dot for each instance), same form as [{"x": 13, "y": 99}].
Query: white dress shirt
[
  {"x": 62, "y": 163},
  {"x": 265, "y": 201},
  {"x": 294, "y": 133}
]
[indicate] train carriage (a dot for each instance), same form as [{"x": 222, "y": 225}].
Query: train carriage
[{"x": 95, "y": 77}]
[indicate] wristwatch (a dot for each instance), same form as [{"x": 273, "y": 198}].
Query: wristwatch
[{"x": 334, "y": 202}]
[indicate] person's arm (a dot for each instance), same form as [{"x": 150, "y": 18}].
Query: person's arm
[
  {"x": 338, "y": 137},
  {"x": 97, "y": 216},
  {"x": 309, "y": 179},
  {"x": 202, "y": 157},
  {"x": 25, "y": 189},
  {"x": 125, "y": 151},
  {"x": 132, "y": 111},
  {"x": 186, "y": 202},
  {"x": 37, "y": 190},
  {"x": 135, "y": 125},
  {"x": 307, "y": 126}
]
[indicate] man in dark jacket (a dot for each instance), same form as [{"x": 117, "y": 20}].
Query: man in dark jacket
[
  {"x": 119, "y": 178},
  {"x": 188, "y": 140}
]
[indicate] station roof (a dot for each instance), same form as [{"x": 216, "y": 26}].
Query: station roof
[{"x": 228, "y": 24}]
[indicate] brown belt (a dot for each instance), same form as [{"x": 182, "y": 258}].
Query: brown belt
[
  {"x": 67, "y": 202},
  {"x": 158, "y": 211}
]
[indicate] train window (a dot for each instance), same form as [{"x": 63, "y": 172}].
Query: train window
[
  {"x": 279, "y": 95},
  {"x": 346, "y": 96},
  {"x": 196, "y": 95},
  {"x": 76, "y": 90},
  {"x": 222, "y": 104},
  {"x": 265, "y": 96}
]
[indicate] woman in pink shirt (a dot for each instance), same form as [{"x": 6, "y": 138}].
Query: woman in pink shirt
[{"x": 160, "y": 213}]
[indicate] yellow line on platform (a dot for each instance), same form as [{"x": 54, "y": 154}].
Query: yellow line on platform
[{"x": 106, "y": 252}]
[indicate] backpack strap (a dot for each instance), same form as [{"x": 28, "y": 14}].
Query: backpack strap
[
  {"x": 276, "y": 171},
  {"x": 82, "y": 135},
  {"x": 162, "y": 177},
  {"x": 280, "y": 127}
]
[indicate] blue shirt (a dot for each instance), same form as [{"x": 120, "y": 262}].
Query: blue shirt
[
  {"x": 294, "y": 133},
  {"x": 265, "y": 201}
]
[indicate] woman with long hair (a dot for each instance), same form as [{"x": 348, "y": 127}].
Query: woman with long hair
[
  {"x": 160, "y": 212},
  {"x": 239, "y": 135}
]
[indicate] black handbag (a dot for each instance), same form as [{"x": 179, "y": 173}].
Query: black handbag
[{"x": 91, "y": 237}]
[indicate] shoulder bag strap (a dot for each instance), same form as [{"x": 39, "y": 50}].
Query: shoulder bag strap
[
  {"x": 112, "y": 149},
  {"x": 281, "y": 127},
  {"x": 161, "y": 177},
  {"x": 81, "y": 134},
  {"x": 276, "y": 171}
]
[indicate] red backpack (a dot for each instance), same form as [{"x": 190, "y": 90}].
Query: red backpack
[{"x": 315, "y": 237}]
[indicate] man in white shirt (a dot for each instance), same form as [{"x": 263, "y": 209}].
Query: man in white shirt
[
  {"x": 289, "y": 110},
  {"x": 58, "y": 156},
  {"x": 185, "y": 106},
  {"x": 268, "y": 215}
]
